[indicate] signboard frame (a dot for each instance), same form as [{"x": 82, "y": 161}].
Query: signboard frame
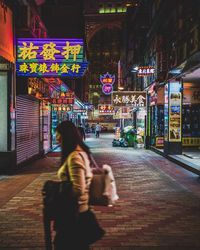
[
  {"x": 129, "y": 98},
  {"x": 50, "y": 57}
]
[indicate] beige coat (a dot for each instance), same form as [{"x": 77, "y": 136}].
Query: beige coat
[{"x": 80, "y": 173}]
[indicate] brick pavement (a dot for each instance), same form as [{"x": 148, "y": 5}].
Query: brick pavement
[{"x": 159, "y": 205}]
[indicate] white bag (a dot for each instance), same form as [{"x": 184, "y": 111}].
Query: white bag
[
  {"x": 103, "y": 189},
  {"x": 110, "y": 185}
]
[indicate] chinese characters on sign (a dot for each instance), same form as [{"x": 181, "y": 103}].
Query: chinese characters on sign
[
  {"x": 62, "y": 97},
  {"x": 62, "y": 107},
  {"x": 80, "y": 111},
  {"x": 50, "y": 57},
  {"x": 61, "y": 101},
  {"x": 129, "y": 98},
  {"x": 107, "y": 89},
  {"x": 166, "y": 112},
  {"x": 106, "y": 109},
  {"x": 146, "y": 71},
  {"x": 122, "y": 113},
  {"x": 107, "y": 80}
]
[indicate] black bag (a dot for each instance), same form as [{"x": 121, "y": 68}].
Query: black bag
[
  {"x": 59, "y": 201},
  {"x": 89, "y": 229},
  {"x": 60, "y": 206}
]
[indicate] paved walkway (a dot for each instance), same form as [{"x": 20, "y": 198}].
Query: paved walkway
[
  {"x": 190, "y": 159},
  {"x": 159, "y": 205}
]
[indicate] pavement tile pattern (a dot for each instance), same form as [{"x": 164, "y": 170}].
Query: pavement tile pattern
[{"x": 159, "y": 205}]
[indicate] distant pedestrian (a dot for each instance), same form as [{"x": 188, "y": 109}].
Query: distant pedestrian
[
  {"x": 81, "y": 131},
  {"x": 97, "y": 130}
]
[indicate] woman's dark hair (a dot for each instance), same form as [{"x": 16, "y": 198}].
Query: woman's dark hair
[{"x": 71, "y": 138}]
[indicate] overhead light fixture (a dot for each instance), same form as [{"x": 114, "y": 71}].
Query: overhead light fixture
[
  {"x": 120, "y": 87},
  {"x": 134, "y": 69},
  {"x": 175, "y": 71}
]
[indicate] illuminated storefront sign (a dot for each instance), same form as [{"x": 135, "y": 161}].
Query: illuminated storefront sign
[
  {"x": 159, "y": 141},
  {"x": 62, "y": 107},
  {"x": 50, "y": 57},
  {"x": 129, "y": 98},
  {"x": 122, "y": 113},
  {"x": 38, "y": 88},
  {"x": 175, "y": 110},
  {"x": 79, "y": 110},
  {"x": 107, "y": 80},
  {"x": 61, "y": 101},
  {"x": 106, "y": 109},
  {"x": 166, "y": 112},
  {"x": 145, "y": 71},
  {"x": 191, "y": 95},
  {"x": 62, "y": 97},
  {"x": 152, "y": 95}
]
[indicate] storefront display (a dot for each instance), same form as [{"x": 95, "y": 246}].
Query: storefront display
[
  {"x": 156, "y": 114},
  {"x": 173, "y": 118},
  {"x": 45, "y": 110},
  {"x": 152, "y": 117},
  {"x": 159, "y": 126},
  {"x": 191, "y": 114},
  {"x": 160, "y": 121},
  {"x": 140, "y": 120}
]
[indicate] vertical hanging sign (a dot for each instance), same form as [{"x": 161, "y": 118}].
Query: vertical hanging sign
[
  {"x": 175, "y": 111},
  {"x": 166, "y": 113}
]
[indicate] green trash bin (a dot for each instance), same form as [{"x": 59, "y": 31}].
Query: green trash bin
[{"x": 130, "y": 136}]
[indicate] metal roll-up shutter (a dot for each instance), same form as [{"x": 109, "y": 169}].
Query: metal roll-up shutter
[{"x": 27, "y": 128}]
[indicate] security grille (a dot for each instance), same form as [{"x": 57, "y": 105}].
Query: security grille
[{"x": 27, "y": 128}]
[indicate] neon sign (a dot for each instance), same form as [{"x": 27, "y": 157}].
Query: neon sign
[
  {"x": 129, "y": 98},
  {"x": 175, "y": 111},
  {"x": 106, "y": 109},
  {"x": 146, "y": 71},
  {"x": 62, "y": 97},
  {"x": 50, "y": 57},
  {"x": 107, "y": 80}
]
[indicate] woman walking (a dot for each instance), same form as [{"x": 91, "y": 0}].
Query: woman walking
[{"x": 75, "y": 166}]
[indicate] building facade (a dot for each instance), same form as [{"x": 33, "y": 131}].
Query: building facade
[
  {"x": 170, "y": 44},
  {"x": 103, "y": 26},
  {"x": 7, "y": 88}
]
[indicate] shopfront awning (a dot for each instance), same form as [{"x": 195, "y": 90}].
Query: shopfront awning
[{"x": 189, "y": 70}]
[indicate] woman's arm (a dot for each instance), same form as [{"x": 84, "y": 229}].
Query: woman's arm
[{"x": 77, "y": 174}]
